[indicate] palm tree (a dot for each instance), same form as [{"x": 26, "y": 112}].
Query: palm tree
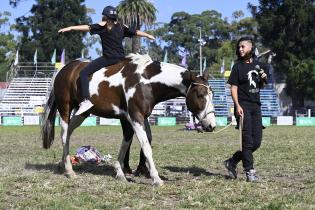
[{"x": 137, "y": 13}]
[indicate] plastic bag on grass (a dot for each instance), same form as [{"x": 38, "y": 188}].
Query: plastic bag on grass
[{"x": 89, "y": 154}]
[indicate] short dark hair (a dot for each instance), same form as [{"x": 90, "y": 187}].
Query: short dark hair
[{"x": 246, "y": 38}]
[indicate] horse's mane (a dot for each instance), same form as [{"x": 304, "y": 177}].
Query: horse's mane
[{"x": 139, "y": 59}]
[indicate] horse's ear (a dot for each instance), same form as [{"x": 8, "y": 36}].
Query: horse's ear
[
  {"x": 193, "y": 76},
  {"x": 189, "y": 76},
  {"x": 205, "y": 74}
]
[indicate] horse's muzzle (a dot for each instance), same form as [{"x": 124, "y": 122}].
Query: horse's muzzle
[{"x": 208, "y": 128}]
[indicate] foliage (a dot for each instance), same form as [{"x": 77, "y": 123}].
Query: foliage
[
  {"x": 288, "y": 28},
  {"x": 137, "y": 13},
  {"x": 7, "y": 44},
  {"x": 189, "y": 163},
  {"x": 43, "y": 35},
  {"x": 183, "y": 32}
]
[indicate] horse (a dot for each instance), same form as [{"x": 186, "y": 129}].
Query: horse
[{"x": 128, "y": 91}]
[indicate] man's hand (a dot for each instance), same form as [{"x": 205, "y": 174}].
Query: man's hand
[
  {"x": 262, "y": 74},
  {"x": 239, "y": 111}
]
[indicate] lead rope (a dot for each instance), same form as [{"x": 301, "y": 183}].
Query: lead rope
[{"x": 241, "y": 130}]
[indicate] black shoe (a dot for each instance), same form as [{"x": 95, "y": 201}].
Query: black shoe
[
  {"x": 231, "y": 167},
  {"x": 251, "y": 176}
]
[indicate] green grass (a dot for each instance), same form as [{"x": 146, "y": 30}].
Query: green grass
[{"x": 190, "y": 164}]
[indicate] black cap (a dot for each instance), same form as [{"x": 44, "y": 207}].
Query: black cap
[{"x": 110, "y": 12}]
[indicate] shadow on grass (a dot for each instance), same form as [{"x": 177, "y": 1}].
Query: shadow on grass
[
  {"x": 56, "y": 168},
  {"x": 195, "y": 171}
]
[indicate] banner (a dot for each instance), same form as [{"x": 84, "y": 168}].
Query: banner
[
  {"x": 221, "y": 121},
  {"x": 107, "y": 121},
  {"x": 284, "y": 120},
  {"x": 8, "y": 121},
  {"x": 305, "y": 121},
  {"x": 266, "y": 121},
  {"x": 166, "y": 121},
  {"x": 31, "y": 120},
  {"x": 90, "y": 121}
]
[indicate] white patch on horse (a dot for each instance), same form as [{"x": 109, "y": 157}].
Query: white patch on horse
[
  {"x": 142, "y": 61},
  {"x": 118, "y": 111},
  {"x": 64, "y": 131},
  {"x": 130, "y": 93},
  {"x": 114, "y": 80},
  {"x": 170, "y": 76},
  {"x": 97, "y": 78}
]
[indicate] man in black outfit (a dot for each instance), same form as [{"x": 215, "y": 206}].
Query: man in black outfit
[{"x": 246, "y": 79}]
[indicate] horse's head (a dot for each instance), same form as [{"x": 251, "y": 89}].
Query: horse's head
[{"x": 199, "y": 100}]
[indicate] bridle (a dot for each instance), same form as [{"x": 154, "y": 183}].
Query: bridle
[{"x": 209, "y": 91}]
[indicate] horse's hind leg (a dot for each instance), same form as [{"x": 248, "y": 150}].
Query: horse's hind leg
[
  {"x": 127, "y": 139},
  {"x": 66, "y": 131}
]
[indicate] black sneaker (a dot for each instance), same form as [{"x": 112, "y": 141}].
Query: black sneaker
[
  {"x": 231, "y": 167},
  {"x": 251, "y": 176}
]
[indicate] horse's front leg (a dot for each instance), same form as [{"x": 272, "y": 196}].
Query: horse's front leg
[
  {"x": 138, "y": 128},
  {"x": 66, "y": 131},
  {"x": 124, "y": 148}
]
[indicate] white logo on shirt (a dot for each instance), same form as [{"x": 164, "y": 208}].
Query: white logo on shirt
[{"x": 250, "y": 79}]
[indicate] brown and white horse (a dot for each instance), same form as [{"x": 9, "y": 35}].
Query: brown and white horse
[{"x": 127, "y": 91}]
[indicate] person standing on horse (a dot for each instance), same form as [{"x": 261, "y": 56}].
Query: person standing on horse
[
  {"x": 246, "y": 80},
  {"x": 112, "y": 34}
]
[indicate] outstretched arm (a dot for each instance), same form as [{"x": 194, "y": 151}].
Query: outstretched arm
[
  {"x": 143, "y": 34},
  {"x": 75, "y": 28}
]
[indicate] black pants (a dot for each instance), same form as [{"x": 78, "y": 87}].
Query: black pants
[
  {"x": 92, "y": 67},
  {"x": 251, "y": 134}
]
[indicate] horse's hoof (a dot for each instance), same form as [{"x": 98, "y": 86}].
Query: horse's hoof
[
  {"x": 70, "y": 175},
  {"x": 158, "y": 183},
  {"x": 127, "y": 170},
  {"x": 121, "y": 178}
]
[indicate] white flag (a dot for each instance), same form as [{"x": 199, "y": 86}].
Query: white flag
[
  {"x": 16, "y": 61},
  {"x": 222, "y": 67}
]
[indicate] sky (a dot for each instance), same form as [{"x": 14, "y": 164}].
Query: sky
[{"x": 166, "y": 8}]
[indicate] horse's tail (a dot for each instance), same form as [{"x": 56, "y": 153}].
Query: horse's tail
[{"x": 48, "y": 121}]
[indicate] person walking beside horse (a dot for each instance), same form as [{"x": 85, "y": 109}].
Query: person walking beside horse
[{"x": 246, "y": 80}]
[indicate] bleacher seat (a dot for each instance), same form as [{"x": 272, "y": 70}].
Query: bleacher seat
[
  {"x": 27, "y": 91},
  {"x": 219, "y": 97}
]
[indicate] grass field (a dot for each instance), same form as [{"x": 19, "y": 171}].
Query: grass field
[{"x": 189, "y": 163}]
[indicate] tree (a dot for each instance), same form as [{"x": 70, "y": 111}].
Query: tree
[
  {"x": 43, "y": 35},
  {"x": 7, "y": 44},
  {"x": 182, "y": 34},
  {"x": 137, "y": 13},
  {"x": 288, "y": 28}
]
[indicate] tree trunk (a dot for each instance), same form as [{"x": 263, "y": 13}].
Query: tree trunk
[
  {"x": 297, "y": 100},
  {"x": 136, "y": 44}
]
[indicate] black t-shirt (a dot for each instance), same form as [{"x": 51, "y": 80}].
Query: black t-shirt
[
  {"x": 245, "y": 76},
  {"x": 112, "y": 39}
]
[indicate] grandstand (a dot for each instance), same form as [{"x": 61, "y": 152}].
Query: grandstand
[{"x": 27, "y": 90}]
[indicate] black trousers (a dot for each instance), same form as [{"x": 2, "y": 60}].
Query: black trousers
[
  {"x": 251, "y": 135},
  {"x": 92, "y": 67}
]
